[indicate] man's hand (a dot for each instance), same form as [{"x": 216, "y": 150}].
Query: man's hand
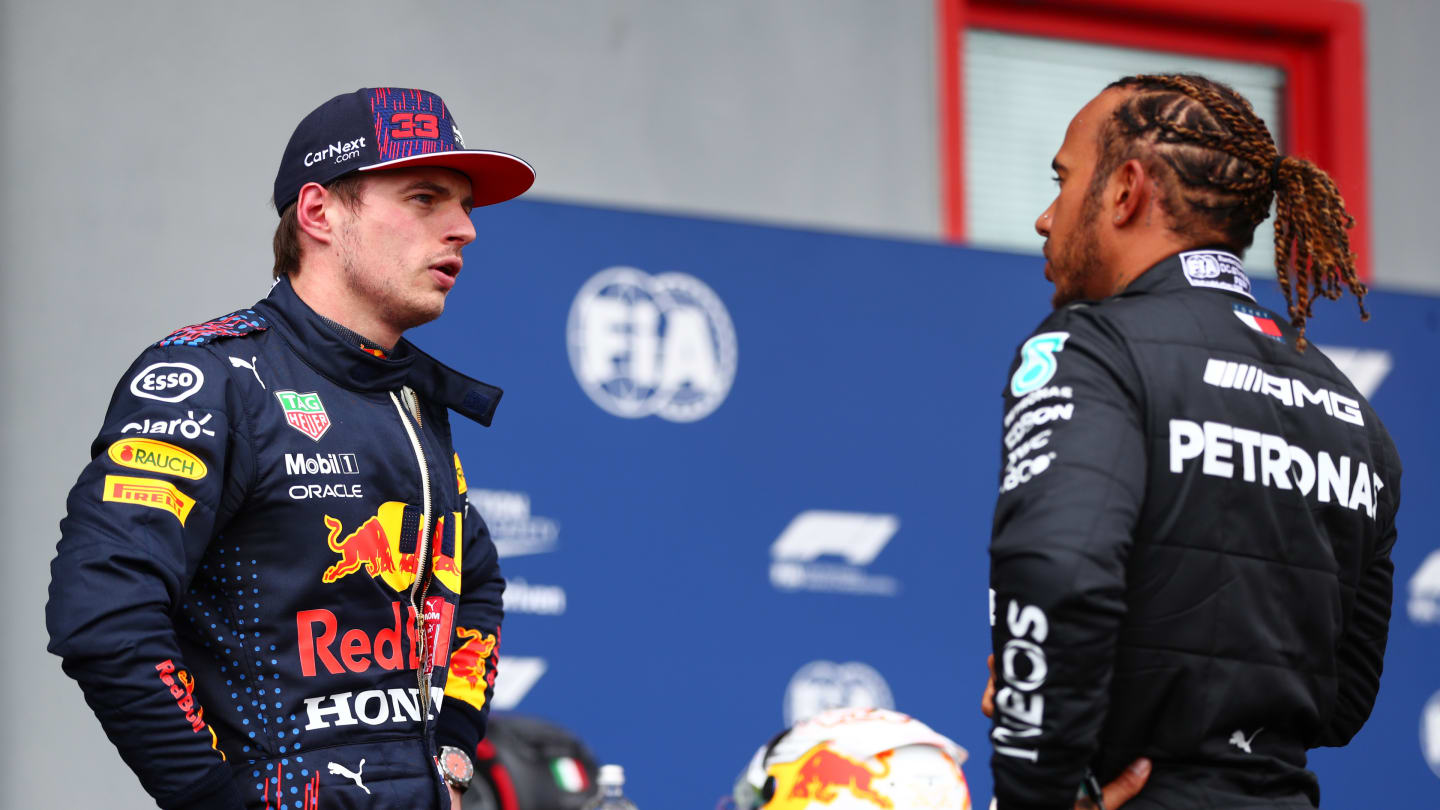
[
  {"x": 987, "y": 701},
  {"x": 1123, "y": 789},
  {"x": 455, "y": 797}
]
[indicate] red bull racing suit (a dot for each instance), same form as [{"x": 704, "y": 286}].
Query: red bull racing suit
[
  {"x": 1190, "y": 558},
  {"x": 269, "y": 579}
]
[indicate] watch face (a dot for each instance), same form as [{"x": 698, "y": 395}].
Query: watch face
[{"x": 456, "y": 765}]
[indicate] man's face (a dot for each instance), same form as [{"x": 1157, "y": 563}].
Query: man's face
[
  {"x": 400, "y": 248},
  {"x": 1071, "y": 225}
]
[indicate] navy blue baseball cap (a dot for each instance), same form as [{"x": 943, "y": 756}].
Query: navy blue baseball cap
[{"x": 376, "y": 128}]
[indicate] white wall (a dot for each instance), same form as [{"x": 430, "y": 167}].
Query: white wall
[
  {"x": 138, "y": 143},
  {"x": 1404, "y": 155}
]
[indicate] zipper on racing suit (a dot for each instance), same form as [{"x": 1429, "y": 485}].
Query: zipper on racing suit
[{"x": 422, "y": 567}]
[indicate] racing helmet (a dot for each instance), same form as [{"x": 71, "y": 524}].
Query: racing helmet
[
  {"x": 855, "y": 759},
  {"x": 527, "y": 763}
]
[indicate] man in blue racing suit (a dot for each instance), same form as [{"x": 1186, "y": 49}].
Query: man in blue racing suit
[{"x": 269, "y": 578}]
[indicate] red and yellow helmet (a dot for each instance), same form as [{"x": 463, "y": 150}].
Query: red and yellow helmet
[{"x": 856, "y": 759}]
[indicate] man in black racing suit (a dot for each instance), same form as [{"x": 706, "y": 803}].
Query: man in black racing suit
[
  {"x": 1190, "y": 559},
  {"x": 269, "y": 578}
]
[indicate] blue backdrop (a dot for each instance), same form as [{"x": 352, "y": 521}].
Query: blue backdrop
[{"x": 651, "y": 610}]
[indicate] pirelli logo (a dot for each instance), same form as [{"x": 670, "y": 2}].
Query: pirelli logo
[{"x": 148, "y": 492}]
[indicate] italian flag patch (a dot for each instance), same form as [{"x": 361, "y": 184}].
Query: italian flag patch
[{"x": 569, "y": 774}]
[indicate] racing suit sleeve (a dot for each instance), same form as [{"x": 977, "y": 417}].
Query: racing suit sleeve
[
  {"x": 475, "y": 648},
  {"x": 1071, "y": 485},
  {"x": 138, "y": 521},
  {"x": 1361, "y": 653}
]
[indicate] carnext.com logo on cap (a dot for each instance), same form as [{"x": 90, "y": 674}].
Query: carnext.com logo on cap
[
  {"x": 341, "y": 151},
  {"x": 642, "y": 344}
]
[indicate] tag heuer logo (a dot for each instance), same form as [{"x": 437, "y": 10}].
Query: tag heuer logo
[{"x": 305, "y": 413}]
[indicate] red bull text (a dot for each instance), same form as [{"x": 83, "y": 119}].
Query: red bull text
[
  {"x": 182, "y": 688},
  {"x": 361, "y": 648}
]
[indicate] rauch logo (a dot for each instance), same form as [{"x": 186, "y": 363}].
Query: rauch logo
[{"x": 156, "y": 456}]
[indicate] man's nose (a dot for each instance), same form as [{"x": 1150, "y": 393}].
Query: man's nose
[
  {"x": 462, "y": 230},
  {"x": 1042, "y": 223}
]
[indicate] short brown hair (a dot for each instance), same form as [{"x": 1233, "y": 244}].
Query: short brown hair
[{"x": 349, "y": 188}]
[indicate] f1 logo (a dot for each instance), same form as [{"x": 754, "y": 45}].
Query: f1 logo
[
  {"x": 856, "y": 536},
  {"x": 414, "y": 125}
]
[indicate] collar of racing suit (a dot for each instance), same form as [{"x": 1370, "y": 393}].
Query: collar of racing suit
[
  {"x": 348, "y": 365},
  {"x": 1169, "y": 274}
]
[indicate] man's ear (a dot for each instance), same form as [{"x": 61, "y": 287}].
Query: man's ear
[
  {"x": 1129, "y": 192},
  {"x": 314, "y": 212}
]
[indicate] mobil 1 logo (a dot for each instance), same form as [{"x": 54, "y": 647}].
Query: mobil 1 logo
[{"x": 321, "y": 464}]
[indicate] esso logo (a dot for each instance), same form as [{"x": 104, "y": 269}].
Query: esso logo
[
  {"x": 642, "y": 345},
  {"x": 167, "y": 382}
]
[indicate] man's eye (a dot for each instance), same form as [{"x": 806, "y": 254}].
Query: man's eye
[
  {"x": 1056, "y": 178},
  {"x": 424, "y": 198}
]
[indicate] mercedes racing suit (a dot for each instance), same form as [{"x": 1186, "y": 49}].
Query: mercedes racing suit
[
  {"x": 269, "y": 577},
  {"x": 1190, "y": 558}
]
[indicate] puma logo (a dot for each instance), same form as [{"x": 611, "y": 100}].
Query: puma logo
[
  {"x": 238, "y": 363},
  {"x": 340, "y": 770},
  {"x": 1239, "y": 740}
]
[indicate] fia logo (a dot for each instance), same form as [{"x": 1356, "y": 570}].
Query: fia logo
[
  {"x": 823, "y": 685},
  {"x": 642, "y": 344}
]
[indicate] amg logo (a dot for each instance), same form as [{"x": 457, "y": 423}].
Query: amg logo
[
  {"x": 1291, "y": 392},
  {"x": 321, "y": 464}
]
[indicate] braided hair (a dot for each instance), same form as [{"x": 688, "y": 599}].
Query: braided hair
[{"x": 1218, "y": 171}]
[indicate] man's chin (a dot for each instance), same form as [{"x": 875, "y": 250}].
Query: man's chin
[{"x": 420, "y": 315}]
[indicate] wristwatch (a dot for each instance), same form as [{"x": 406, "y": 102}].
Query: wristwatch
[{"x": 456, "y": 767}]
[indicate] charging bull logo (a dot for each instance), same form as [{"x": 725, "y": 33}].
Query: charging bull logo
[
  {"x": 822, "y": 773},
  {"x": 375, "y": 546},
  {"x": 472, "y": 666}
]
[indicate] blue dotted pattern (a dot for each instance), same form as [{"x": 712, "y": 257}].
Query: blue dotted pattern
[
  {"x": 240, "y": 322},
  {"x": 222, "y": 611}
]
